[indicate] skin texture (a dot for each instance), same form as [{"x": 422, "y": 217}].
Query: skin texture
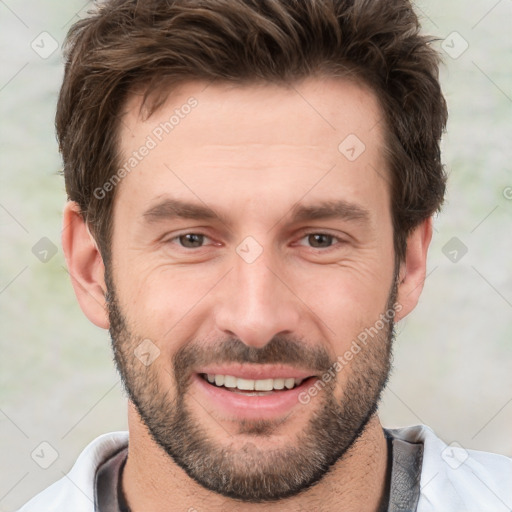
[{"x": 252, "y": 155}]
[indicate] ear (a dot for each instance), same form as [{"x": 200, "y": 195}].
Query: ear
[
  {"x": 413, "y": 269},
  {"x": 85, "y": 265}
]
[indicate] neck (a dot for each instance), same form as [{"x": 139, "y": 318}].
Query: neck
[{"x": 152, "y": 481}]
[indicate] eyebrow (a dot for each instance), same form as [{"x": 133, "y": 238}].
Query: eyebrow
[
  {"x": 339, "y": 209},
  {"x": 168, "y": 209}
]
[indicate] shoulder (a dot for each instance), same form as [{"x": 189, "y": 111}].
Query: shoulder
[
  {"x": 456, "y": 479},
  {"x": 75, "y": 491}
]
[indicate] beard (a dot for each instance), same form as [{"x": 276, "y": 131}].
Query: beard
[{"x": 246, "y": 472}]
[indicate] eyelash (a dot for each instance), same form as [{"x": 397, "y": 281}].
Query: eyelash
[
  {"x": 336, "y": 240},
  {"x": 177, "y": 237}
]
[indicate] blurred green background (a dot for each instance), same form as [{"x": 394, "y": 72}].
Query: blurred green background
[{"x": 453, "y": 353}]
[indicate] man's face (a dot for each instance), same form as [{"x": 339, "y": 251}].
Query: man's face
[{"x": 248, "y": 242}]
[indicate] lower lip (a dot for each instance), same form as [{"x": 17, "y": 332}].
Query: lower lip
[{"x": 271, "y": 406}]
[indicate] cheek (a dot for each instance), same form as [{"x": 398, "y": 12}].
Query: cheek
[
  {"x": 346, "y": 297},
  {"x": 159, "y": 299}
]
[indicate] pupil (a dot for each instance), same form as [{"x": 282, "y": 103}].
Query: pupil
[
  {"x": 191, "y": 240},
  {"x": 320, "y": 240}
]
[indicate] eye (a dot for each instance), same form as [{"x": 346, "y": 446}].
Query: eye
[
  {"x": 191, "y": 240},
  {"x": 320, "y": 240}
]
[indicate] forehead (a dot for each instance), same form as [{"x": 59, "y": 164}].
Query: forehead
[
  {"x": 333, "y": 106},
  {"x": 278, "y": 141}
]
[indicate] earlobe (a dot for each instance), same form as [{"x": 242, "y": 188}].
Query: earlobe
[
  {"x": 85, "y": 265},
  {"x": 413, "y": 269}
]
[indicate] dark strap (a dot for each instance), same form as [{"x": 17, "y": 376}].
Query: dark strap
[
  {"x": 109, "y": 494},
  {"x": 407, "y": 461}
]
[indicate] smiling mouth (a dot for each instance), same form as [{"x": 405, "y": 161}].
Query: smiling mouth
[{"x": 250, "y": 387}]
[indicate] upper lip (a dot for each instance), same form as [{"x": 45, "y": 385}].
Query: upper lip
[{"x": 258, "y": 372}]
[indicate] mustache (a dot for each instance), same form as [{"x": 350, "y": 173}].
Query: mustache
[{"x": 279, "y": 350}]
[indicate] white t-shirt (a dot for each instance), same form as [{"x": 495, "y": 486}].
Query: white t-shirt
[{"x": 452, "y": 479}]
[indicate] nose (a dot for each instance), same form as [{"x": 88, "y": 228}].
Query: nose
[{"x": 257, "y": 303}]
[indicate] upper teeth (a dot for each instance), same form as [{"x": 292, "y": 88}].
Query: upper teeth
[{"x": 248, "y": 384}]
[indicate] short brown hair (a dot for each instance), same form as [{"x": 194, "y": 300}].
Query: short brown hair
[{"x": 128, "y": 44}]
